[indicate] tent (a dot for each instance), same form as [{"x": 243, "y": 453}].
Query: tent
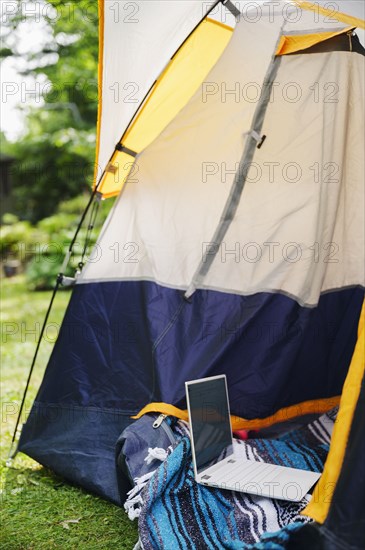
[{"x": 232, "y": 135}]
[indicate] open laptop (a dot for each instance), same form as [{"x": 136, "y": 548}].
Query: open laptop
[{"x": 215, "y": 463}]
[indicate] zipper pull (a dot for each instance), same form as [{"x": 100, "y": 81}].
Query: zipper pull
[{"x": 157, "y": 423}]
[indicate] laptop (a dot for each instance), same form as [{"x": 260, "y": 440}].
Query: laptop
[{"x": 214, "y": 460}]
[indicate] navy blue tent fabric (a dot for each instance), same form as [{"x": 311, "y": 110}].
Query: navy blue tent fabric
[
  {"x": 78, "y": 443},
  {"x": 125, "y": 344}
]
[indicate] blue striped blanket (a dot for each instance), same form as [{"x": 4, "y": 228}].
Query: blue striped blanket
[{"x": 174, "y": 512}]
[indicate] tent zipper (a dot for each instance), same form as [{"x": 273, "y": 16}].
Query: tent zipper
[{"x": 160, "y": 422}]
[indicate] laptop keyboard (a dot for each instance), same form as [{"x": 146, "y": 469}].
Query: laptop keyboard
[{"x": 238, "y": 472}]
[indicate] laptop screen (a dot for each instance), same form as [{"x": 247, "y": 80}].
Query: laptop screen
[{"x": 209, "y": 420}]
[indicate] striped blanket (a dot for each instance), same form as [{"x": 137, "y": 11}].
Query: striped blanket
[{"x": 174, "y": 512}]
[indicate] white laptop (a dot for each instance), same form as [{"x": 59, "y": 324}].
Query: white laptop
[{"x": 215, "y": 463}]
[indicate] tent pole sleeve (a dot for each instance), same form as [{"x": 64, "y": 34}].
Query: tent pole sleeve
[{"x": 253, "y": 139}]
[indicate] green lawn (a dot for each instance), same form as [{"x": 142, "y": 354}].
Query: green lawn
[{"x": 39, "y": 510}]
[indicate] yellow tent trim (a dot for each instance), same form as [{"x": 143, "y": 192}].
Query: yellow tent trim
[
  {"x": 331, "y": 13},
  {"x": 317, "y": 406},
  {"x": 100, "y": 86},
  {"x": 296, "y": 43},
  {"x": 319, "y": 505}
]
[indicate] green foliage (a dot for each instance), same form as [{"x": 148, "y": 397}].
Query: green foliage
[
  {"x": 55, "y": 157},
  {"x": 56, "y": 225},
  {"x": 47, "y": 172}
]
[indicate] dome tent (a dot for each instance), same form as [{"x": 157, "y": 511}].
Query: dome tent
[{"x": 236, "y": 243}]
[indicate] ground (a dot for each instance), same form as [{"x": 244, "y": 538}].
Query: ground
[{"x": 39, "y": 510}]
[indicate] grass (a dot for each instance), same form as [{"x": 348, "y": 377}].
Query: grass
[{"x": 39, "y": 510}]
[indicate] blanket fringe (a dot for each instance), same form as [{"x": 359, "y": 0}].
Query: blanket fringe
[
  {"x": 134, "y": 502},
  {"x": 155, "y": 454}
]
